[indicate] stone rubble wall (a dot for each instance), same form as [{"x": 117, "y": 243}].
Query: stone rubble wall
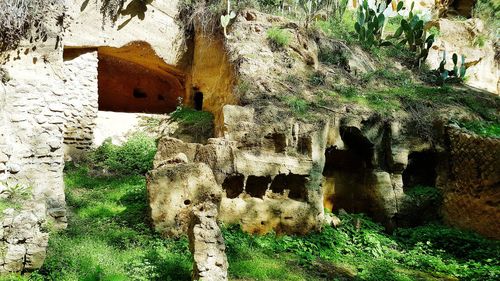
[
  {"x": 31, "y": 154},
  {"x": 81, "y": 99},
  {"x": 472, "y": 189},
  {"x": 31, "y": 148}
]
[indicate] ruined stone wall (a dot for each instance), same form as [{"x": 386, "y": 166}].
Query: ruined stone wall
[
  {"x": 31, "y": 154},
  {"x": 31, "y": 148},
  {"x": 471, "y": 190},
  {"x": 81, "y": 95}
]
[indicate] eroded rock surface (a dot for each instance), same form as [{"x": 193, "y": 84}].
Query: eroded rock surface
[
  {"x": 207, "y": 244},
  {"x": 173, "y": 189}
]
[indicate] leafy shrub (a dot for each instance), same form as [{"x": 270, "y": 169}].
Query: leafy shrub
[
  {"x": 461, "y": 244},
  {"x": 135, "y": 156},
  {"x": 422, "y": 194},
  {"x": 489, "y": 12},
  {"x": 299, "y": 106},
  {"x": 279, "y": 37},
  {"x": 317, "y": 78}
]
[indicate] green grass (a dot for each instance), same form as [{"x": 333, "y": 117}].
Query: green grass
[
  {"x": 194, "y": 122},
  {"x": 108, "y": 237},
  {"x": 279, "y": 37},
  {"x": 133, "y": 157},
  {"x": 340, "y": 29},
  {"x": 189, "y": 116},
  {"x": 482, "y": 128}
]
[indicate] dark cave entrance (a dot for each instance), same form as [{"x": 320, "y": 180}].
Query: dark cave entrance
[
  {"x": 423, "y": 198},
  {"x": 421, "y": 170},
  {"x": 234, "y": 185},
  {"x": 198, "y": 101},
  {"x": 257, "y": 186},
  {"x": 347, "y": 173},
  {"x": 295, "y": 184}
]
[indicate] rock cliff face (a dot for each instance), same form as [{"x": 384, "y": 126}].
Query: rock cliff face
[{"x": 480, "y": 57}]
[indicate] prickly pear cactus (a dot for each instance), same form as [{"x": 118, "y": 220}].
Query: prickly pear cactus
[{"x": 226, "y": 19}]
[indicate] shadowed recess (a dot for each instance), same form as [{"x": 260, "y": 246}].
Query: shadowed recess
[
  {"x": 296, "y": 184},
  {"x": 233, "y": 185},
  {"x": 134, "y": 79},
  {"x": 257, "y": 186}
]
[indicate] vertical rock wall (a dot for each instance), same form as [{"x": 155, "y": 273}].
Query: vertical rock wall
[
  {"x": 472, "y": 188},
  {"x": 81, "y": 94}
]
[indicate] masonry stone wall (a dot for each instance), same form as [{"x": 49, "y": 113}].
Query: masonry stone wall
[
  {"x": 31, "y": 155},
  {"x": 472, "y": 189},
  {"x": 81, "y": 96},
  {"x": 31, "y": 148}
]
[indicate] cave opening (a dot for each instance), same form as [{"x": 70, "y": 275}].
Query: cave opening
[
  {"x": 295, "y": 184},
  {"x": 198, "y": 101},
  {"x": 233, "y": 185},
  {"x": 462, "y": 8},
  {"x": 421, "y": 170},
  {"x": 256, "y": 186},
  {"x": 347, "y": 173},
  {"x": 134, "y": 79}
]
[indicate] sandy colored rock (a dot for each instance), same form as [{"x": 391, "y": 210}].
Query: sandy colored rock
[
  {"x": 207, "y": 244},
  {"x": 470, "y": 191},
  {"x": 174, "y": 189},
  {"x": 458, "y": 37}
]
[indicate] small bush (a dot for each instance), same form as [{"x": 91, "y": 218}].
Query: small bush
[
  {"x": 339, "y": 58},
  {"x": 299, "y": 106},
  {"x": 135, "y": 156},
  {"x": 278, "y": 37},
  {"x": 317, "y": 79}
]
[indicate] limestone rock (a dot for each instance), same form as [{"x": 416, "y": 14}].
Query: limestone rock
[
  {"x": 207, "y": 244},
  {"x": 458, "y": 37},
  {"x": 169, "y": 148},
  {"x": 173, "y": 189}
]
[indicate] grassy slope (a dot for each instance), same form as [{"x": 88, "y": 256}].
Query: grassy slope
[
  {"x": 393, "y": 90},
  {"x": 108, "y": 239}
]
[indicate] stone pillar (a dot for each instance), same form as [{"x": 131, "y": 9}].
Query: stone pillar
[
  {"x": 81, "y": 99},
  {"x": 207, "y": 244}
]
